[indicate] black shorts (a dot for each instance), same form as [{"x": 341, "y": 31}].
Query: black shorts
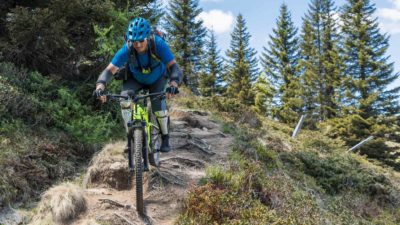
[{"x": 158, "y": 86}]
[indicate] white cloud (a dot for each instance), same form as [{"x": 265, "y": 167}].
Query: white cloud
[
  {"x": 389, "y": 14},
  {"x": 396, "y": 3},
  {"x": 217, "y": 20},
  {"x": 390, "y": 18},
  {"x": 392, "y": 28}
]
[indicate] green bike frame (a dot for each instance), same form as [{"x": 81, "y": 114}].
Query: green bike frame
[{"x": 141, "y": 114}]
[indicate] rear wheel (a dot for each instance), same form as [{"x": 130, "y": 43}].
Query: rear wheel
[
  {"x": 155, "y": 140},
  {"x": 138, "y": 162}
]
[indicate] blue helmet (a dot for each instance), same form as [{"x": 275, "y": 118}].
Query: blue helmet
[{"x": 138, "y": 29}]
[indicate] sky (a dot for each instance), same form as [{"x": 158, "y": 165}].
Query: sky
[{"x": 261, "y": 15}]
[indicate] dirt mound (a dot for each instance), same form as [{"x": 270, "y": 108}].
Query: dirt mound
[
  {"x": 60, "y": 205},
  {"x": 109, "y": 169}
]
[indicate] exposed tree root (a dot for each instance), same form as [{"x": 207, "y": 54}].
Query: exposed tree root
[
  {"x": 194, "y": 141},
  {"x": 123, "y": 218},
  {"x": 115, "y": 203},
  {"x": 188, "y": 162},
  {"x": 169, "y": 177}
]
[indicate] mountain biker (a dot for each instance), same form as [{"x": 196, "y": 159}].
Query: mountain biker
[{"x": 146, "y": 66}]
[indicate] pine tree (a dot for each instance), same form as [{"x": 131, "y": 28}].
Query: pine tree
[
  {"x": 186, "y": 37},
  {"x": 150, "y": 9},
  {"x": 320, "y": 64},
  {"x": 242, "y": 68},
  {"x": 210, "y": 82},
  {"x": 370, "y": 108},
  {"x": 280, "y": 61},
  {"x": 263, "y": 95},
  {"x": 367, "y": 68}
]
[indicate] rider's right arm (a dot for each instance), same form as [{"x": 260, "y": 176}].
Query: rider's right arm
[
  {"x": 106, "y": 76},
  {"x": 119, "y": 59}
]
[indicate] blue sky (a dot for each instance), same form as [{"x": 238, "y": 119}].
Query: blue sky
[{"x": 261, "y": 15}]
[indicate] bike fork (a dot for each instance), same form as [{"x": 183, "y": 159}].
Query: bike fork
[
  {"x": 145, "y": 148},
  {"x": 130, "y": 161}
]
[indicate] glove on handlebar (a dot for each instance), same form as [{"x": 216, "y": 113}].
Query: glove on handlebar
[
  {"x": 173, "y": 90},
  {"x": 98, "y": 92}
]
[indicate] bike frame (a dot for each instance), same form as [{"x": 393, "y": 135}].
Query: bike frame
[{"x": 139, "y": 119}]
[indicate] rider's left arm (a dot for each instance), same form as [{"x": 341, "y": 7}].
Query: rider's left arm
[{"x": 174, "y": 73}]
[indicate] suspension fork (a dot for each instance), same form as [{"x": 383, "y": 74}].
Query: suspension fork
[
  {"x": 145, "y": 148},
  {"x": 130, "y": 153}
]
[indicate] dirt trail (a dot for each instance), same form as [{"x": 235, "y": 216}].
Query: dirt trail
[{"x": 197, "y": 142}]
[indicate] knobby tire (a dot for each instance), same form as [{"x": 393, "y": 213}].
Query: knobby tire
[{"x": 138, "y": 146}]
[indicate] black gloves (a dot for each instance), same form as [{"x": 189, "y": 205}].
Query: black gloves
[
  {"x": 98, "y": 92},
  {"x": 172, "y": 90}
]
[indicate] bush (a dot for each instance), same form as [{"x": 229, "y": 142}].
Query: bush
[
  {"x": 45, "y": 132},
  {"x": 337, "y": 173},
  {"x": 211, "y": 204},
  {"x": 353, "y": 129},
  {"x": 66, "y": 26},
  {"x": 78, "y": 120}
]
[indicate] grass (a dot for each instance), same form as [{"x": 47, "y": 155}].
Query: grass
[{"x": 272, "y": 178}]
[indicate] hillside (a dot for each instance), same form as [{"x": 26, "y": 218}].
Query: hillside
[{"x": 258, "y": 175}]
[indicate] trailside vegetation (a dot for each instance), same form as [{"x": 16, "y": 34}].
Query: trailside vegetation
[{"x": 271, "y": 178}]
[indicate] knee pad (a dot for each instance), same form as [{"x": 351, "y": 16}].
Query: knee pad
[
  {"x": 126, "y": 113},
  {"x": 162, "y": 118}
]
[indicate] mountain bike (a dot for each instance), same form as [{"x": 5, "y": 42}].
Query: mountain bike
[{"x": 144, "y": 137}]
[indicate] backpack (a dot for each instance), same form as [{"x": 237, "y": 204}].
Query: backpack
[{"x": 154, "y": 59}]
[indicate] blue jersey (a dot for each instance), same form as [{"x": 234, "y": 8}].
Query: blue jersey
[{"x": 163, "y": 51}]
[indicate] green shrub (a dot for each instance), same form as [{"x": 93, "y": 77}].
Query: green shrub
[
  {"x": 66, "y": 26},
  {"x": 337, "y": 173},
  {"x": 212, "y": 204}
]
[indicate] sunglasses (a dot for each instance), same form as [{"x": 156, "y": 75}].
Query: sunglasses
[{"x": 141, "y": 41}]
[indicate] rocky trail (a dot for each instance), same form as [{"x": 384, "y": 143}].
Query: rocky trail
[{"x": 109, "y": 196}]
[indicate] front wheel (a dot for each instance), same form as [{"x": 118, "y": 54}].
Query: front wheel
[{"x": 138, "y": 147}]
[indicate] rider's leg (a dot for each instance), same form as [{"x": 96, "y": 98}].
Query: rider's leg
[
  {"x": 129, "y": 84},
  {"x": 160, "y": 110}
]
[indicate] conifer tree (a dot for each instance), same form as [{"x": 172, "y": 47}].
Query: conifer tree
[
  {"x": 280, "y": 61},
  {"x": 263, "y": 91},
  {"x": 186, "y": 37},
  {"x": 242, "y": 68},
  {"x": 366, "y": 65},
  {"x": 320, "y": 64},
  {"x": 370, "y": 108},
  {"x": 150, "y": 9},
  {"x": 210, "y": 82}
]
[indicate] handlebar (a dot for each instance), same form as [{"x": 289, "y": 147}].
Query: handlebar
[{"x": 136, "y": 98}]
